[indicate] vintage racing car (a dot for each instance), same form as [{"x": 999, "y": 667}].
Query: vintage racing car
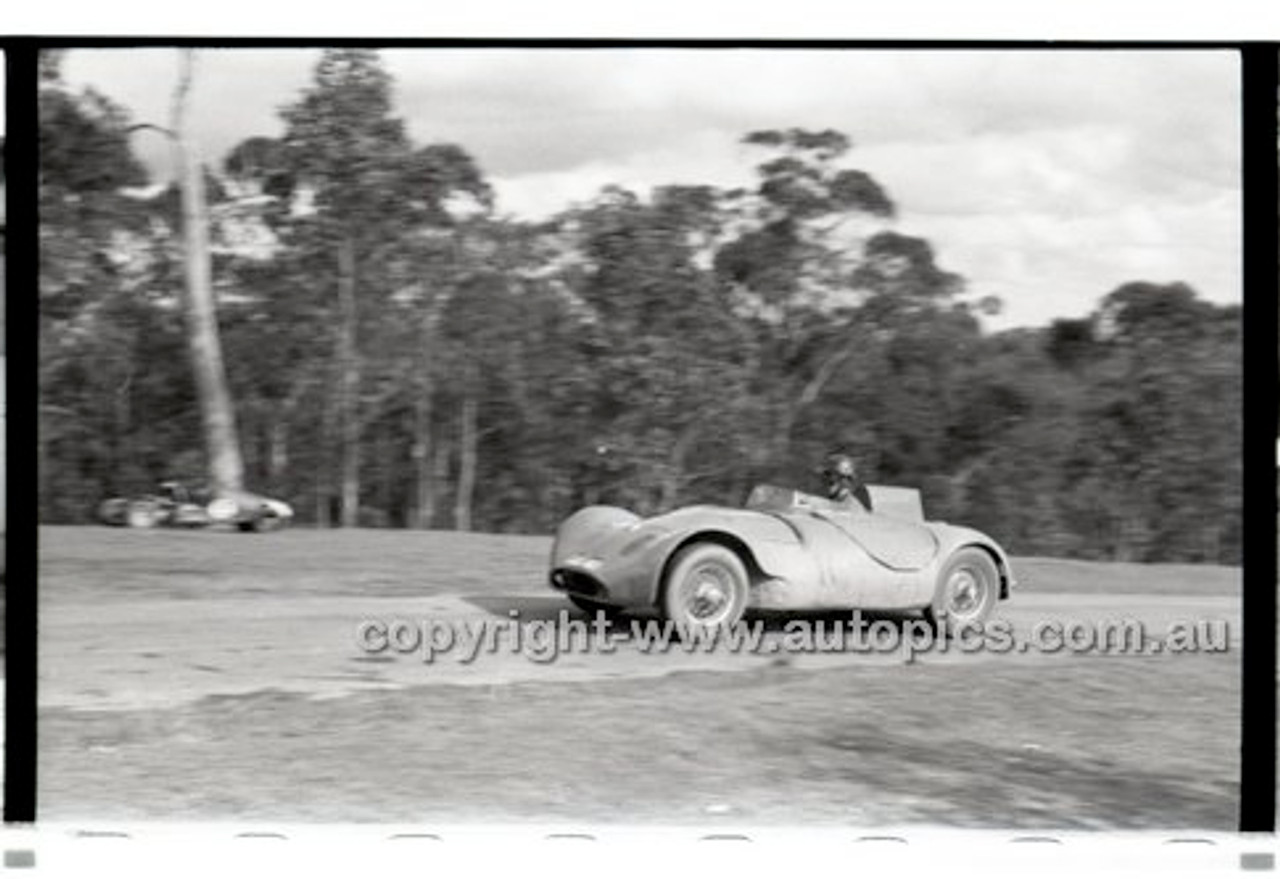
[
  {"x": 786, "y": 550},
  {"x": 175, "y": 505}
]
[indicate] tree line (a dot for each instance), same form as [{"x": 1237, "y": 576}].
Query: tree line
[{"x": 401, "y": 354}]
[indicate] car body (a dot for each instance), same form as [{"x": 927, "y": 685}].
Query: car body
[
  {"x": 175, "y": 505},
  {"x": 785, "y": 550}
]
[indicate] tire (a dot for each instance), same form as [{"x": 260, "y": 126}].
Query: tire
[
  {"x": 143, "y": 514},
  {"x": 706, "y": 586},
  {"x": 967, "y": 591},
  {"x": 591, "y": 607},
  {"x": 114, "y": 511},
  {"x": 188, "y": 516},
  {"x": 262, "y": 523},
  {"x": 269, "y": 522}
]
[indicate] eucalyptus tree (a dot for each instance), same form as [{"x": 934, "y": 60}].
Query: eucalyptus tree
[
  {"x": 222, "y": 442},
  {"x": 351, "y": 189},
  {"x": 672, "y": 359},
  {"x": 789, "y": 267},
  {"x": 89, "y": 341}
]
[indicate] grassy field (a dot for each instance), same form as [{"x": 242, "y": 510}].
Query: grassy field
[
  {"x": 107, "y": 563},
  {"x": 1069, "y": 742},
  {"x": 1077, "y": 744},
  {"x": 188, "y": 564}
]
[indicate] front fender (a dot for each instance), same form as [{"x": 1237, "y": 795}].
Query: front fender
[
  {"x": 588, "y": 558},
  {"x": 278, "y": 508},
  {"x": 611, "y": 554},
  {"x": 587, "y": 529},
  {"x": 768, "y": 545},
  {"x": 956, "y": 537}
]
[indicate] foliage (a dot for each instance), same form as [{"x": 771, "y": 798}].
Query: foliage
[{"x": 647, "y": 349}]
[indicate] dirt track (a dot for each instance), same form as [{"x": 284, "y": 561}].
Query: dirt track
[
  {"x": 162, "y": 653},
  {"x": 148, "y": 640}
]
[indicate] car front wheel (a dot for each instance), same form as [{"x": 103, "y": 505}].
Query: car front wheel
[{"x": 706, "y": 587}]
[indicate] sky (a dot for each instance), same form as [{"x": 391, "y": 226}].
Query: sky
[{"x": 1046, "y": 178}]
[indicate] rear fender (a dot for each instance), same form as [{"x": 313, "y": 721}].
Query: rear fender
[
  {"x": 954, "y": 538},
  {"x": 998, "y": 555}
]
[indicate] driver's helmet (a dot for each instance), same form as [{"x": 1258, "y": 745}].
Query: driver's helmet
[{"x": 840, "y": 475}]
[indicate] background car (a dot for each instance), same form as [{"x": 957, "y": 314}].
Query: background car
[{"x": 176, "y": 505}]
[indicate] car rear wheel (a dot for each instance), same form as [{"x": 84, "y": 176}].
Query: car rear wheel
[
  {"x": 967, "y": 590},
  {"x": 706, "y": 586},
  {"x": 114, "y": 511}
]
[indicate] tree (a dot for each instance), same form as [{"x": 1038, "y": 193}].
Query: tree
[
  {"x": 671, "y": 358},
  {"x": 821, "y": 291},
  {"x": 109, "y": 320},
  {"x": 351, "y": 185},
  {"x": 1167, "y": 414},
  {"x": 88, "y": 353},
  {"x": 218, "y": 415},
  {"x": 86, "y": 165},
  {"x": 647, "y": 349}
]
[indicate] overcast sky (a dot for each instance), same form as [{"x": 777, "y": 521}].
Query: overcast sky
[{"x": 1045, "y": 178}]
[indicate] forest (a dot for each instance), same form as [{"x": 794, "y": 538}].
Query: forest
[{"x": 401, "y": 354}]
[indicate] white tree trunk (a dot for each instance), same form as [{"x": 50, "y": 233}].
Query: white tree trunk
[{"x": 226, "y": 468}]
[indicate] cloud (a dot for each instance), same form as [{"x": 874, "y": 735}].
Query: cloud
[
  {"x": 1046, "y": 177},
  {"x": 1051, "y": 264},
  {"x": 236, "y": 94}
]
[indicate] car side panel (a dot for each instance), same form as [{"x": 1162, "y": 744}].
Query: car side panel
[
  {"x": 830, "y": 570},
  {"x": 808, "y": 562},
  {"x": 894, "y": 543}
]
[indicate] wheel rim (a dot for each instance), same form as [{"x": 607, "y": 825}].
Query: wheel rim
[
  {"x": 707, "y": 594},
  {"x": 967, "y": 591},
  {"x": 142, "y": 518}
]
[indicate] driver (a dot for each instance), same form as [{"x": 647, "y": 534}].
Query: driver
[{"x": 843, "y": 486}]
